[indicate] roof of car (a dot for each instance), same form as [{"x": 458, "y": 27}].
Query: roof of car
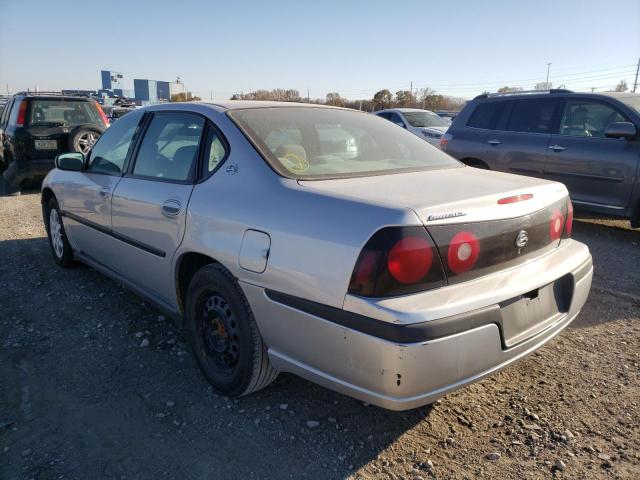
[
  {"x": 240, "y": 104},
  {"x": 552, "y": 93},
  {"x": 404, "y": 110}
]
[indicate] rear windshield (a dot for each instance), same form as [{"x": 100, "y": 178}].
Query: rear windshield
[
  {"x": 68, "y": 113},
  {"x": 425, "y": 119},
  {"x": 316, "y": 143}
]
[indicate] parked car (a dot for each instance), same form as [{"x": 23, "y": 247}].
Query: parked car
[
  {"x": 35, "y": 127},
  {"x": 423, "y": 123},
  {"x": 587, "y": 141},
  {"x": 387, "y": 270}
]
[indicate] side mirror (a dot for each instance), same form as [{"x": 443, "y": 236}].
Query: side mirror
[
  {"x": 73, "y": 162},
  {"x": 626, "y": 130}
]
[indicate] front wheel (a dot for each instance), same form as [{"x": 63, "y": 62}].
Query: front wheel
[
  {"x": 60, "y": 248},
  {"x": 224, "y": 335}
]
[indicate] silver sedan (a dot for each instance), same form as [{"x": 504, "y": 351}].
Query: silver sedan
[{"x": 321, "y": 241}]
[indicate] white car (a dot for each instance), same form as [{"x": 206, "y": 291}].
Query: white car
[{"x": 423, "y": 123}]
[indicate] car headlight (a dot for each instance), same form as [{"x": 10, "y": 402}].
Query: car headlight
[{"x": 431, "y": 135}]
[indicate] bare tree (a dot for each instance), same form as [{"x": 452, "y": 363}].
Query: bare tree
[
  {"x": 404, "y": 98},
  {"x": 622, "y": 86},
  {"x": 543, "y": 86}
]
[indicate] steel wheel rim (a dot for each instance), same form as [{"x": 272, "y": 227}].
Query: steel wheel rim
[
  {"x": 55, "y": 229},
  {"x": 86, "y": 141},
  {"x": 220, "y": 335}
]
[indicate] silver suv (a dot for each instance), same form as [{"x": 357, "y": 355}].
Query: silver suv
[
  {"x": 320, "y": 241},
  {"x": 587, "y": 141}
]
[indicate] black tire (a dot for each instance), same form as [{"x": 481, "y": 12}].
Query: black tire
[
  {"x": 63, "y": 256},
  {"x": 223, "y": 334},
  {"x": 82, "y": 138}
]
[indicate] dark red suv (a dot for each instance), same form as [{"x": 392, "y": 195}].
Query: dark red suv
[{"x": 35, "y": 127}]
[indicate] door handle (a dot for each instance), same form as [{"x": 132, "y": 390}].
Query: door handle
[
  {"x": 171, "y": 208},
  {"x": 494, "y": 142},
  {"x": 104, "y": 193},
  {"x": 557, "y": 148}
]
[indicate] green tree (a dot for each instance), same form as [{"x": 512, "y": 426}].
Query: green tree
[
  {"x": 382, "y": 99},
  {"x": 334, "y": 99},
  {"x": 405, "y": 98}
]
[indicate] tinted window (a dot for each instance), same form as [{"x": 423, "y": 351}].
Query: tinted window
[
  {"x": 384, "y": 115},
  {"x": 110, "y": 151},
  {"x": 169, "y": 147},
  {"x": 214, "y": 152},
  {"x": 63, "y": 113},
  {"x": 322, "y": 143},
  {"x": 395, "y": 118},
  {"x": 531, "y": 116},
  {"x": 485, "y": 114},
  {"x": 587, "y": 119}
]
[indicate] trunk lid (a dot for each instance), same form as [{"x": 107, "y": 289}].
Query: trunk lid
[
  {"x": 480, "y": 221},
  {"x": 448, "y": 196}
]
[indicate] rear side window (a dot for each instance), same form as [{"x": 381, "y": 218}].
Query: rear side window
[
  {"x": 532, "y": 116},
  {"x": 67, "y": 113},
  {"x": 170, "y": 145},
  {"x": 214, "y": 152},
  {"x": 110, "y": 152},
  {"x": 485, "y": 115}
]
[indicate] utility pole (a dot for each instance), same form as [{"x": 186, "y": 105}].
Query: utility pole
[
  {"x": 360, "y": 105},
  {"x": 635, "y": 84},
  {"x": 411, "y": 88},
  {"x": 308, "y": 100},
  {"x": 548, "y": 67}
]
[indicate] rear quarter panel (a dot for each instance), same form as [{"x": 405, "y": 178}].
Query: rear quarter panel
[{"x": 315, "y": 237}]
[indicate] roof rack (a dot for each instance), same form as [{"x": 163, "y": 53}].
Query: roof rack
[
  {"x": 523, "y": 92},
  {"x": 41, "y": 93}
]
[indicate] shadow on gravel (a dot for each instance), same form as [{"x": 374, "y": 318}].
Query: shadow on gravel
[{"x": 95, "y": 384}]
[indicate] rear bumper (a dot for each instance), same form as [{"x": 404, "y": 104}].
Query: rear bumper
[
  {"x": 20, "y": 170},
  {"x": 401, "y": 375}
]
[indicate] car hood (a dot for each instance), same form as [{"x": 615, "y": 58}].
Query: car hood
[{"x": 445, "y": 196}]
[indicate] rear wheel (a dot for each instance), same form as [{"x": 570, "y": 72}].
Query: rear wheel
[
  {"x": 224, "y": 335},
  {"x": 60, "y": 248}
]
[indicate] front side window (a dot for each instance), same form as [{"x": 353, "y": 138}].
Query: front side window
[
  {"x": 395, "y": 118},
  {"x": 587, "y": 119},
  {"x": 110, "y": 151},
  {"x": 316, "y": 143},
  {"x": 531, "y": 116},
  {"x": 67, "y": 113},
  {"x": 170, "y": 145}
]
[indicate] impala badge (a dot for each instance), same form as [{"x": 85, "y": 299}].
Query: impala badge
[{"x": 522, "y": 239}]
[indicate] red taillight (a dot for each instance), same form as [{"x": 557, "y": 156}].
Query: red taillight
[
  {"x": 103, "y": 117},
  {"x": 568, "y": 226},
  {"x": 463, "y": 252},
  {"x": 22, "y": 114},
  {"x": 556, "y": 225},
  {"x": 410, "y": 259},
  {"x": 515, "y": 198},
  {"x": 444, "y": 140},
  {"x": 397, "y": 261}
]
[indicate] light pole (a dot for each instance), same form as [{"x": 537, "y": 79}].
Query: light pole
[{"x": 548, "y": 66}]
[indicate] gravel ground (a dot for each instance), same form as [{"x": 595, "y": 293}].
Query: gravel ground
[{"x": 95, "y": 384}]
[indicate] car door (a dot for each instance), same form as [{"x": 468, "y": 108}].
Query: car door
[
  {"x": 86, "y": 196},
  {"x": 150, "y": 202},
  {"x": 521, "y": 136},
  {"x": 598, "y": 171}
]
